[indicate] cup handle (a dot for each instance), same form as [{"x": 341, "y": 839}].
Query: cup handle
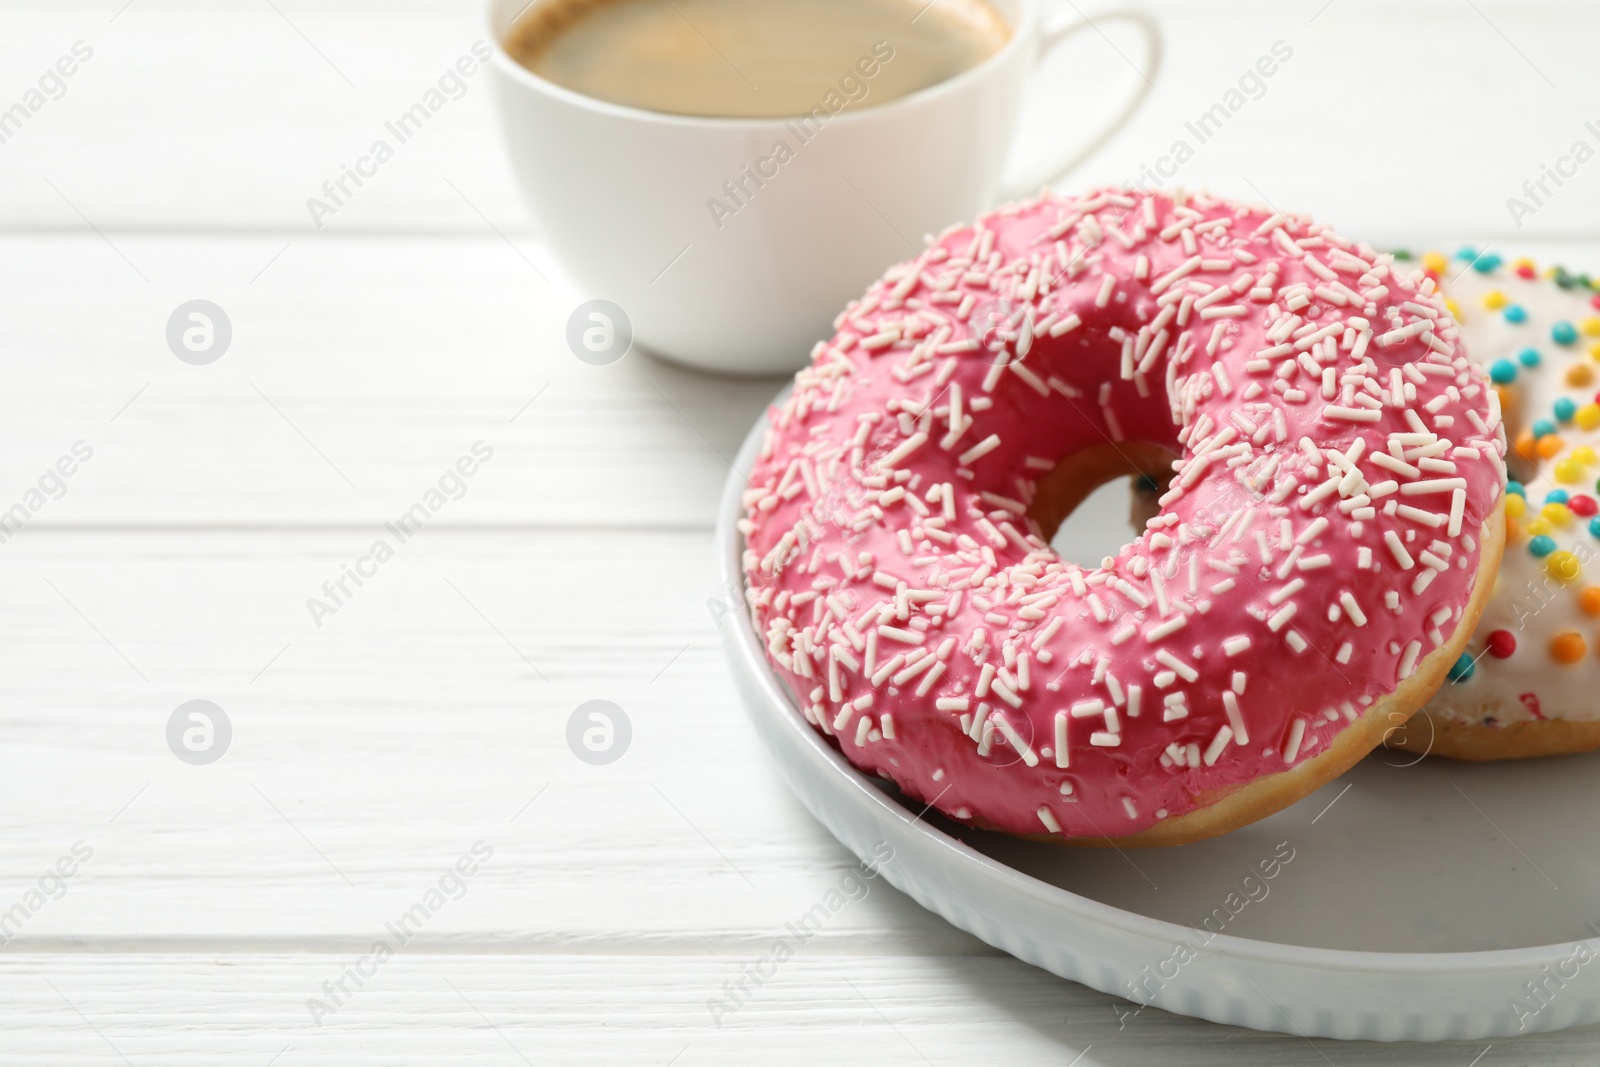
[{"x": 1045, "y": 172}]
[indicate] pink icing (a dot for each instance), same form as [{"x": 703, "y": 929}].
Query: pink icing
[{"x": 919, "y": 618}]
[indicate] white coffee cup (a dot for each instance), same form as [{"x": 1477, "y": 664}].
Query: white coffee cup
[{"x": 626, "y": 197}]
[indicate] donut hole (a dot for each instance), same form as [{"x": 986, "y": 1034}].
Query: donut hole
[{"x": 1096, "y": 500}]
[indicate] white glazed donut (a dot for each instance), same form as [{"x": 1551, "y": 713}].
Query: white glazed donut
[{"x": 1529, "y": 681}]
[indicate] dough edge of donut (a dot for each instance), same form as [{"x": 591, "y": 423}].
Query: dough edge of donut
[
  {"x": 1255, "y": 800},
  {"x": 1477, "y": 743}
]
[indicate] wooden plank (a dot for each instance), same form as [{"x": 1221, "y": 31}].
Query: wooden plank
[
  {"x": 429, "y": 712},
  {"x": 816, "y": 1007},
  {"x": 361, "y": 369},
  {"x": 1391, "y": 120}
]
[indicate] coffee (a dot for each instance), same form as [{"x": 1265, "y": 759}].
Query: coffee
[{"x": 753, "y": 58}]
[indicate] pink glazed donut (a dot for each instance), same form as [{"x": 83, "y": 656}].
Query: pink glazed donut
[{"x": 1330, "y": 533}]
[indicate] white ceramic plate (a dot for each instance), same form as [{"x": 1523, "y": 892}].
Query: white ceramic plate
[{"x": 1423, "y": 901}]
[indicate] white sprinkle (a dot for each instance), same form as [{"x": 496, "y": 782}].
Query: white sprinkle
[
  {"x": 985, "y": 679},
  {"x": 1086, "y": 708},
  {"x": 1433, "y": 485},
  {"x": 1048, "y": 818},
  {"x": 1235, "y": 645},
  {"x": 1297, "y": 733},
  {"x": 1312, "y": 531},
  {"x": 1186, "y": 672},
  {"x": 1282, "y": 593},
  {"x": 1338, "y": 411},
  {"x": 930, "y": 679},
  {"x": 904, "y": 449},
  {"x": 1218, "y": 743},
  {"x": 1408, "y": 660},
  {"x": 1108, "y": 285},
  {"x": 1280, "y": 617},
  {"x": 1418, "y": 515},
  {"x": 1129, "y": 590},
  {"x": 909, "y": 637},
  {"x": 979, "y": 450},
  {"x": 1458, "y": 504},
  {"x": 1398, "y": 550},
  {"x": 1398, "y": 466},
  {"x": 1061, "y": 739},
  {"x": 1319, "y": 493},
  {"x": 1066, "y": 325},
  {"x": 1352, "y": 608},
  {"x": 1164, "y": 629},
  {"x": 1022, "y": 747},
  {"x": 1230, "y": 704},
  {"x": 1176, "y": 274}
]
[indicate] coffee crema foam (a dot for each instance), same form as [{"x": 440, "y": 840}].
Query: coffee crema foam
[{"x": 748, "y": 58}]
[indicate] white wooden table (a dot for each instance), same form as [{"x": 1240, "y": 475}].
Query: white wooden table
[{"x": 429, "y": 712}]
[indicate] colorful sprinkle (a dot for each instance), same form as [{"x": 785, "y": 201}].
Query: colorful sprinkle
[
  {"x": 1563, "y": 566},
  {"x": 1462, "y": 668},
  {"x": 1516, "y": 506},
  {"x": 1594, "y": 526},
  {"x": 1541, "y": 546},
  {"x": 1569, "y": 471},
  {"x": 1589, "y": 600},
  {"x": 1516, "y": 314},
  {"x": 1487, "y": 263},
  {"x": 1567, "y": 647},
  {"x": 1565, "y": 408},
  {"x": 1501, "y": 643},
  {"x": 1517, "y": 488},
  {"x": 1550, "y": 445},
  {"x": 1503, "y": 372},
  {"x": 1543, "y": 427},
  {"x": 1528, "y": 357},
  {"x": 1583, "y": 506},
  {"x": 1564, "y": 333}
]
